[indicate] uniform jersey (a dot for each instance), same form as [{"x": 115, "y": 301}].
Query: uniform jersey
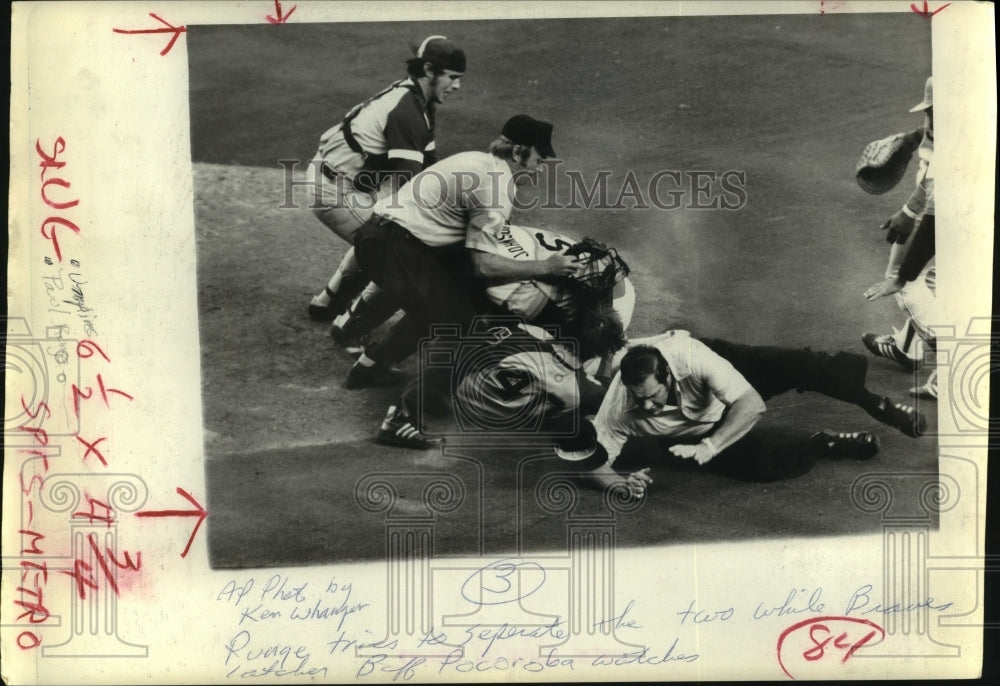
[
  {"x": 704, "y": 385},
  {"x": 527, "y": 298},
  {"x": 394, "y": 125},
  {"x": 526, "y": 380},
  {"x": 439, "y": 205},
  {"x": 922, "y": 200}
]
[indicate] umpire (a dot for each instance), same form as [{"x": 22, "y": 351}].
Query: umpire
[{"x": 414, "y": 248}]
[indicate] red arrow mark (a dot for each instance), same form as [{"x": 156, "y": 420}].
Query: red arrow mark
[
  {"x": 926, "y": 12},
  {"x": 281, "y": 18},
  {"x": 170, "y": 28},
  {"x": 199, "y": 512}
]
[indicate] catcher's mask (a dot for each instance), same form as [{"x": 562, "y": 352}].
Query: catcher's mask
[{"x": 603, "y": 267}]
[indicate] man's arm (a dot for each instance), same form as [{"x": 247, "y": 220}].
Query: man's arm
[
  {"x": 499, "y": 268},
  {"x": 606, "y": 477},
  {"x": 740, "y": 417},
  {"x": 919, "y": 253}
]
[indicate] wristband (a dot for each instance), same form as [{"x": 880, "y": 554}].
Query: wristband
[{"x": 908, "y": 212}]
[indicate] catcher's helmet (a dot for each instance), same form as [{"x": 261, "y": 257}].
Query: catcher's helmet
[{"x": 602, "y": 269}]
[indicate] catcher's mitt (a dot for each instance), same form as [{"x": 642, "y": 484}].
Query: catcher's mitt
[
  {"x": 603, "y": 268},
  {"x": 883, "y": 162}
]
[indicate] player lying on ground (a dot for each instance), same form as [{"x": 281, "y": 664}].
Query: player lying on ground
[{"x": 701, "y": 400}]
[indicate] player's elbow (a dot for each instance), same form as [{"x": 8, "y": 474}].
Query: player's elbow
[{"x": 481, "y": 265}]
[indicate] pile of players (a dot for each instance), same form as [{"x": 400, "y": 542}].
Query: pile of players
[{"x": 433, "y": 240}]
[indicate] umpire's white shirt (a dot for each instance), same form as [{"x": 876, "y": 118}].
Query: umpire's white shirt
[
  {"x": 705, "y": 385},
  {"x": 439, "y": 204}
]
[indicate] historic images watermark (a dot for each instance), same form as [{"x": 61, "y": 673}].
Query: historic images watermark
[{"x": 557, "y": 189}]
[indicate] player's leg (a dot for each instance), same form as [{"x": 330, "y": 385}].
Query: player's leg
[
  {"x": 343, "y": 287},
  {"x": 773, "y": 370},
  {"x": 773, "y": 454},
  {"x": 919, "y": 301},
  {"x": 343, "y": 210},
  {"x": 369, "y": 311},
  {"x": 905, "y": 346}
]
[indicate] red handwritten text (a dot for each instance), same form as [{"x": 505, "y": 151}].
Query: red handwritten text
[
  {"x": 810, "y": 641},
  {"x": 83, "y": 572},
  {"x": 51, "y": 225}
]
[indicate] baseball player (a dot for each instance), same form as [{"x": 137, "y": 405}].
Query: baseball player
[
  {"x": 534, "y": 300},
  {"x": 537, "y": 379},
  {"x": 910, "y": 259},
  {"x": 378, "y": 146},
  {"x": 704, "y": 398},
  {"x": 414, "y": 248}
]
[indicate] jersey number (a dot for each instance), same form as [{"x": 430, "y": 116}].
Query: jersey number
[
  {"x": 560, "y": 243},
  {"x": 510, "y": 382}
]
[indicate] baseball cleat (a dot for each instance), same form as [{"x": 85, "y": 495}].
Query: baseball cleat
[
  {"x": 377, "y": 376},
  {"x": 929, "y": 391},
  {"x": 884, "y": 345},
  {"x": 352, "y": 345},
  {"x": 900, "y": 416},
  {"x": 398, "y": 429},
  {"x": 859, "y": 445},
  {"x": 320, "y": 312}
]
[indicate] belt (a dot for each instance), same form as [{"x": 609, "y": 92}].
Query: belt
[{"x": 329, "y": 172}]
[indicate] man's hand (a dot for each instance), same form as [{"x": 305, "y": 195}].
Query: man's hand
[
  {"x": 562, "y": 264},
  {"x": 900, "y": 226},
  {"x": 883, "y": 288},
  {"x": 638, "y": 482},
  {"x": 699, "y": 451}
]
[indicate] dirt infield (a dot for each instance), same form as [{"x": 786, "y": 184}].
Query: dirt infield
[{"x": 788, "y": 101}]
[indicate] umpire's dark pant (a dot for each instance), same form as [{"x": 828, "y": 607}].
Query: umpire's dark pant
[
  {"x": 431, "y": 285},
  {"x": 773, "y": 370}
]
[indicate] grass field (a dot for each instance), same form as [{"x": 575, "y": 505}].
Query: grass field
[{"x": 788, "y": 101}]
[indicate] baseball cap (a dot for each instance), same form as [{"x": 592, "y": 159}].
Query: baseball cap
[
  {"x": 442, "y": 53},
  {"x": 582, "y": 448},
  {"x": 928, "y": 100},
  {"x": 526, "y": 130}
]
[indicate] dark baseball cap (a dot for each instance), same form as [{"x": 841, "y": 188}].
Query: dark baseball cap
[
  {"x": 526, "y": 130},
  {"x": 442, "y": 53}
]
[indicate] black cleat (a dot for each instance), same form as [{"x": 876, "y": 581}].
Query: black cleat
[
  {"x": 859, "y": 445},
  {"x": 902, "y": 417},
  {"x": 327, "y": 313},
  {"x": 378, "y": 375},
  {"x": 884, "y": 345},
  {"x": 352, "y": 345},
  {"x": 398, "y": 429}
]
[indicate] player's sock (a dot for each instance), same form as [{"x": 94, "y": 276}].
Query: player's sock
[
  {"x": 908, "y": 342},
  {"x": 324, "y": 298}
]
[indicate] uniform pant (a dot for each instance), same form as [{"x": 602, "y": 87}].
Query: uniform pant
[
  {"x": 340, "y": 206},
  {"x": 431, "y": 285}
]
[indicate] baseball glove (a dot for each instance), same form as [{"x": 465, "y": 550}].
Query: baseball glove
[
  {"x": 883, "y": 162},
  {"x": 602, "y": 267}
]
